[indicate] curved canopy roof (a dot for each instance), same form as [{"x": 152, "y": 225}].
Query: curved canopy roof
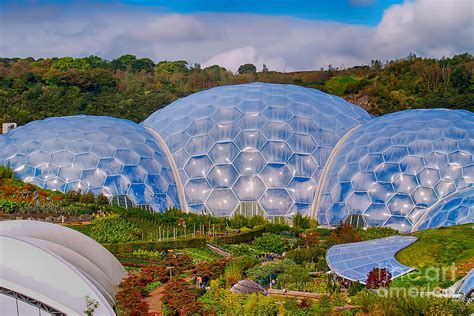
[
  {"x": 57, "y": 266},
  {"x": 248, "y": 286},
  {"x": 468, "y": 283},
  {"x": 354, "y": 261}
]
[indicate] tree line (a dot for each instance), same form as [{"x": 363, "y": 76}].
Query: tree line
[{"x": 133, "y": 88}]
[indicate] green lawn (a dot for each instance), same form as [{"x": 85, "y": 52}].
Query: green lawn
[{"x": 441, "y": 247}]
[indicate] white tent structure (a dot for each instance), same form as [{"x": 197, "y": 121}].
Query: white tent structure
[{"x": 48, "y": 269}]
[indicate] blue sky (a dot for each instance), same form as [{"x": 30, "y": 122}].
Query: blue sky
[
  {"x": 286, "y": 35},
  {"x": 365, "y": 12}
]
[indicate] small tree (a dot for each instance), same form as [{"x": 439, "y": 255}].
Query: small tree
[
  {"x": 343, "y": 234},
  {"x": 378, "y": 277},
  {"x": 101, "y": 199},
  {"x": 233, "y": 273},
  {"x": 87, "y": 198},
  {"x": 6, "y": 172},
  {"x": 270, "y": 243},
  {"x": 300, "y": 221},
  {"x": 354, "y": 288},
  {"x": 247, "y": 69}
]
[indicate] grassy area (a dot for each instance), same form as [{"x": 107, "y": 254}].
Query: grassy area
[
  {"x": 200, "y": 255},
  {"x": 338, "y": 85},
  {"x": 441, "y": 247}
]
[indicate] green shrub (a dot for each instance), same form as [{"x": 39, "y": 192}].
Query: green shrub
[
  {"x": 243, "y": 250},
  {"x": 270, "y": 243},
  {"x": 355, "y": 288},
  {"x": 277, "y": 228},
  {"x": 129, "y": 247},
  {"x": 6, "y": 172},
  {"x": 240, "y": 238},
  {"x": 377, "y": 232},
  {"x": 305, "y": 254},
  {"x": 395, "y": 304}
]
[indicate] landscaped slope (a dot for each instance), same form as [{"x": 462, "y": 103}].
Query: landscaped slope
[{"x": 441, "y": 247}]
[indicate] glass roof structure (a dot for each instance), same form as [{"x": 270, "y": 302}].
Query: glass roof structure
[
  {"x": 395, "y": 167},
  {"x": 455, "y": 209},
  {"x": 354, "y": 261},
  {"x": 68, "y": 266},
  {"x": 265, "y": 143},
  {"x": 92, "y": 153},
  {"x": 468, "y": 284}
]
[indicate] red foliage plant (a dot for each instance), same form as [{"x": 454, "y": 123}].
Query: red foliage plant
[
  {"x": 129, "y": 299},
  {"x": 343, "y": 234},
  {"x": 152, "y": 273},
  {"x": 179, "y": 298},
  {"x": 378, "y": 277}
]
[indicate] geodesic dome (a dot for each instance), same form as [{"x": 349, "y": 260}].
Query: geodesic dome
[
  {"x": 92, "y": 153},
  {"x": 393, "y": 168},
  {"x": 258, "y": 146},
  {"x": 455, "y": 209}
]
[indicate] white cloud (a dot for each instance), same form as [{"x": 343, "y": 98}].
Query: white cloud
[
  {"x": 233, "y": 58},
  {"x": 429, "y": 28}
]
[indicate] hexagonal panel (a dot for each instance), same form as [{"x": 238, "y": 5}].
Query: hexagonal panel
[
  {"x": 358, "y": 202},
  {"x": 381, "y": 192},
  {"x": 376, "y": 214},
  {"x": 222, "y": 176},
  {"x": 224, "y": 132},
  {"x": 276, "y": 201},
  {"x": 223, "y": 153},
  {"x": 302, "y": 190},
  {"x": 199, "y": 145},
  {"x": 198, "y": 166},
  {"x": 405, "y": 183},
  {"x": 277, "y": 131},
  {"x": 249, "y": 163},
  {"x": 250, "y": 140},
  {"x": 197, "y": 190},
  {"x": 86, "y": 161},
  {"x": 301, "y": 165},
  {"x": 221, "y": 202},
  {"x": 249, "y": 188},
  {"x": 428, "y": 177},
  {"x": 251, "y": 121},
  {"x": 400, "y": 204},
  {"x": 276, "y": 175},
  {"x": 277, "y": 152},
  {"x": 301, "y": 143}
]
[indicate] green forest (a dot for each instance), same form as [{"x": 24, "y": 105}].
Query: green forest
[{"x": 133, "y": 88}]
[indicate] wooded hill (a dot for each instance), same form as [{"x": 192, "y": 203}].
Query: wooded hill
[{"x": 133, "y": 88}]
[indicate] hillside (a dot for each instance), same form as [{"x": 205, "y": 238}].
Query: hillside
[
  {"x": 133, "y": 88},
  {"x": 441, "y": 247}
]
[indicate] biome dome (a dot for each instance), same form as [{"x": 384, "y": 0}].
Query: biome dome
[
  {"x": 92, "y": 153},
  {"x": 257, "y": 146},
  {"x": 393, "y": 168},
  {"x": 268, "y": 149},
  {"x": 455, "y": 209}
]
